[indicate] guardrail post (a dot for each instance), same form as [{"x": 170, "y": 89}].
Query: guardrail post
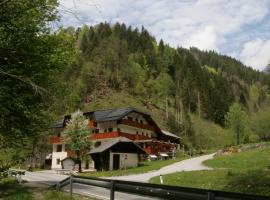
[
  {"x": 161, "y": 179},
  {"x": 71, "y": 184},
  {"x": 210, "y": 196},
  {"x": 112, "y": 190}
]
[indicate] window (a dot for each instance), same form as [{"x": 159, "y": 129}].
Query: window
[
  {"x": 110, "y": 129},
  {"x": 105, "y": 130},
  {"x": 59, "y": 148},
  {"x": 58, "y": 161},
  {"x": 142, "y": 133},
  {"x": 136, "y": 120},
  {"x": 137, "y": 132},
  {"x": 97, "y": 130},
  {"x": 130, "y": 118},
  {"x": 118, "y": 129},
  {"x": 141, "y": 121},
  {"x": 59, "y": 134}
]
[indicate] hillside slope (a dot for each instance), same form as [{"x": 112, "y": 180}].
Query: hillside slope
[{"x": 119, "y": 66}]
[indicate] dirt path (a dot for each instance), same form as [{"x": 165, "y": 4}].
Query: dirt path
[{"x": 191, "y": 164}]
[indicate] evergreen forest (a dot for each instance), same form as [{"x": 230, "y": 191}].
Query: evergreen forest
[{"x": 47, "y": 73}]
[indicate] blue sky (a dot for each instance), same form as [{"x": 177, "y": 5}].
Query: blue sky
[{"x": 239, "y": 28}]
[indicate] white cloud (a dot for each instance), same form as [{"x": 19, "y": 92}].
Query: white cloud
[
  {"x": 256, "y": 53},
  {"x": 207, "y": 24}
]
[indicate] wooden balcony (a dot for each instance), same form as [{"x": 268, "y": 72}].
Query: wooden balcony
[
  {"x": 114, "y": 134},
  {"x": 56, "y": 140},
  {"x": 98, "y": 136},
  {"x": 137, "y": 124}
]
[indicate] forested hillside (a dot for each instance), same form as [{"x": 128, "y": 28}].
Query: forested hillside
[
  {"x": 206, "y": 98},
  {"x": 186, "y": 90}
]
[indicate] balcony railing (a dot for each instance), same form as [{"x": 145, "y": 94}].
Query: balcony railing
[
  {"x": 137, "y": 124},
  {"x": 56, "y": 139},
  {"x": 114, "y": 134}
]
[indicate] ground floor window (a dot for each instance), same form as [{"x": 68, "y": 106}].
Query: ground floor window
[
  {"x": 58, "y": 161},
  {"x": 59, "y": 148}
]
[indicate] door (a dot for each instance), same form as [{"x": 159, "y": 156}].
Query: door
[{"x": 116, "y": 161}]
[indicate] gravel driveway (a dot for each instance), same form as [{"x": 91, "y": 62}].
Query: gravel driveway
[{"x": 191, "y": 164}]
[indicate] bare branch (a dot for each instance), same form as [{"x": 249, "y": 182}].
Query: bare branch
[{"x": 28, "y": 81}]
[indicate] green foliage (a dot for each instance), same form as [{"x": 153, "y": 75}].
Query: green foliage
[
  {"x": 11, "y": 190},
  {"x": 76, "y": 135},
  {"x": 260, "y": 124},
  {"x": 77, "y": 132},
  {"x": 210, "y": 135},
  {"x": 31, "y": 58},
  {"x": 237, "y": 120},
  {"x": 120, "y": 66}
]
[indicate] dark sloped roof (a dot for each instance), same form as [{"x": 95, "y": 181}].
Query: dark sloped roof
[
  {"x": 112, "y": 142},
  {"x": 59, "y": 124},
  {"x": 109, "y": 115},
  {"x": 114, "y": 114}
]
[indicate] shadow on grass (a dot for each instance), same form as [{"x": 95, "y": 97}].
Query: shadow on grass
[
  {"x": 249, "y": 182},
  {"x": 10, "y": 190}
]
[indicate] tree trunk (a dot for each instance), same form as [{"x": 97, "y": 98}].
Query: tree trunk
[
  {"x": 199, "y": 105},
  {"x": 167, "y": 113},
  {"x": 79, "y": 161}
]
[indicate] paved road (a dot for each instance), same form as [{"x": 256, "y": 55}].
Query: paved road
[
  {"x": 50, "y": 177},
  {"x": 191, "y": 164}
]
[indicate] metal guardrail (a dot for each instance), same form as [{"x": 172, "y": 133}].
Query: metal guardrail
[
  {"x": 17, "y": 173},
  {"x": 155, "y": 190}
]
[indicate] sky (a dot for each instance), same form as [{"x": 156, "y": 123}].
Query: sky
[{"x": 238, "y": 28}]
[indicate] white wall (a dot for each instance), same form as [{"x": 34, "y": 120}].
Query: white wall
[{"x": 58, "y": 155}]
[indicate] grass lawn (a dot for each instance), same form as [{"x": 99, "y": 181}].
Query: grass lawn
[
  {"x": 10, "y": 190},
  {"x": 245, "y": 172},
  {"x": 142, "y": 168}
]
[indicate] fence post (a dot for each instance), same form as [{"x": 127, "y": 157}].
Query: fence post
[
  {"x": 161, "y": 179},
  {"x": 112, "y": 190},
  {"x": 210, "y": 196},
  {"x": 71, "y": 183}
]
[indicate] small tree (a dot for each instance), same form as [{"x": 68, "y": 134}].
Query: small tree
[
  {"x": 237, "y": 120},
  {"x": 77, "y": 136}
]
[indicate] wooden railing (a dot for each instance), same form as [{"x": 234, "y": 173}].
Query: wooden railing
[
  {"x": 56, "y": 139},
  {"x": 114, "y": 134},
  {"x": 137, "y": 124},
  {"x": 97, "y": 136}
]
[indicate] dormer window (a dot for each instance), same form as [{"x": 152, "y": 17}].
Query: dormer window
[
  {"x": 136, "y": 120},
  {"x": 130, "y": 118}
]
